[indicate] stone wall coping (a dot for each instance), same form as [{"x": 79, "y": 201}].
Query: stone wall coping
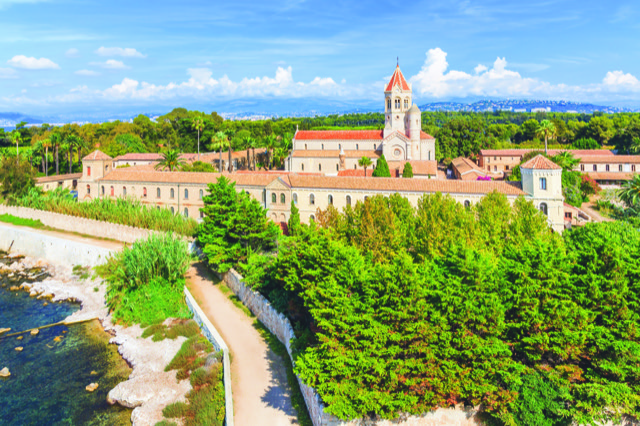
[{"x": 211, "y": 333}]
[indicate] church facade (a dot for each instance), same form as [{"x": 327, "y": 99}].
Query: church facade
[{"x": 402, "y": 140}]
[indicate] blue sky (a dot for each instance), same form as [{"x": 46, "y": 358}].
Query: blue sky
[{"x": 149, "y": 56}]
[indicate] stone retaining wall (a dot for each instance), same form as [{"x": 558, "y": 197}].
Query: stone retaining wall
[
  {"x": 54, "y": 249},
  {"x": 210, "y": 332},
  {"x": 94, "y": 228},
  {"x": 280, "y": 326}
]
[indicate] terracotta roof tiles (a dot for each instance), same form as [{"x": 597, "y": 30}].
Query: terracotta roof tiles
[
  {"x": 540, "y": 162},
  {"x": 339, "y": 135},
  {"x": 519, "y": 152},
  {"x": 97, "y": 155},
  {"x": 397, "y": 79},
  {"x": 611, "y": 159},
  {"x": 311, "y": 153}
]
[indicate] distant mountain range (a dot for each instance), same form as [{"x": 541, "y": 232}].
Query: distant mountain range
[{"x": 268, "y": 108}]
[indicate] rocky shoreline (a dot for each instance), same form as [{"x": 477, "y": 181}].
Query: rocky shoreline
[{"x": 149, "y": 388}]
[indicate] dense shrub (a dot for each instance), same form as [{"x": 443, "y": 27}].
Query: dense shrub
[
  {"x": 402, "y": 310},
  {"x": 125, "y": 211},
  {"x": 17, "y": 178},
  {"x": 145, "y": 282}
]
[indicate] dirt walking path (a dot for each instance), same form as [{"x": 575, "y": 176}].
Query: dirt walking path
[
  {"x": 109, "y": 244},
  {"x": 261, "y": 394}
]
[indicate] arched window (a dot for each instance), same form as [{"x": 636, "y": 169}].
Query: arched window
[
  {"x": 366, "y": 197},
  {"x": 312, "y": 218},
  {"x": 201, "y": 214},
  {"x": 302, "y": 165},
  {"x": 113, "y": 192},
  {"x": 337, "y": 167},
  {"x": 305, "y": 146},
  {"x": 322, "y": 147},
  {"x": 406, "y": 104},
  {"x": 388, "y": 103},
  {"x": 264, "y": 197},
  {"x": 312, "y": 200},
  {"x": 186, "y": 212},
  {"x": 172, "y": 194},
  {"x": 144, "y": 192},
  {"x": 88, "y": 189},
  {"x": 282, "y": 199},
  {"x": 543, "y": 209},
  {"x": 620, "y": 167},
  {"x": 273, "y": 197},
  {"x": 595, "y": 167},
  {"x": 543, "y": 183},
  {"x": 295, "y": 198},
  {"x": 467, "y": 204},
  {"x": 357, "y": 147},
  {"x": 124, "y": 191},
  {"x": 102, "y": 189},
  {"x": 339, "y": 146},
  {"x": 319, "y": 167},
  {"x": 172, "y": 210},
  {"x": 201, "y": 194},
  {"x": 186, "y": 194},
  {"x": 157, "y": 192},
  {"x": 348, "y": 200},
  {"x": 397, "y": 103},
  {"x": 330, "y": 199},
  {"x": 374, "y": 147},
  {"x": 88, "y": 170}
]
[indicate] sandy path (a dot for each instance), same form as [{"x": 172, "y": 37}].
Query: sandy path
[
  {"x": 71, "y": 237},
  {"x": 261, "y": 395}
]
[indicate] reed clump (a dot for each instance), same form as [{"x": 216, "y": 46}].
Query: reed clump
[{"x": 124, "y": 211}]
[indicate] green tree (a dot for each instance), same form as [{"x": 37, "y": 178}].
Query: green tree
[
  {"x": 56, "y": 139},
  {"x": 16, "y": 179},
  {"x": 293, "y": 224},
  {"x": 170, "y": 160},
  {"x": 220, "y": 141},
  {"x": 547, "y": 131},
  {"x": 364, "y": 162},
  {"x": 585, "y": 143},
  {"x": 407, "y": 171},
  {"x": 198, "y": 125},
  {"x": 46, "y": 143},
  {"x": 382, "y": 168},
  {"x": 270, "y": 142},
  {"x": 630, "y": 191},
  {"x": 17, "y": 138}
]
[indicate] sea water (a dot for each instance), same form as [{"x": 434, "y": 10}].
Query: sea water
[{"x": 49, "y": 376}]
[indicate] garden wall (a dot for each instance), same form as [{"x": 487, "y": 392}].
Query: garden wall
[
  {"x": 280, "y": 326},
  {"x": 210, "y": 332},
  {"x": 94, "y": 228},
  {"x": 54, "y": 249}
]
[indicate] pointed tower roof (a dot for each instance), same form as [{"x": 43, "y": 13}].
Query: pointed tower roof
[
  {"x": 540, "y": 162},
  {"x": 397, "y": 79},
  {"x": 97, "y": 155}
]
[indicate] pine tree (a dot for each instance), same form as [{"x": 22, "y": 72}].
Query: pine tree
[
  {"x": 294, "y": 220},
  {"x": 382, "y": 168},
  {"x": 407, "y": 172}
]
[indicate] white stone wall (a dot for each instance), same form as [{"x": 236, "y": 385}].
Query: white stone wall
[
  {"x": 327, "y": 166},
  {"x": 94, "y": 228},
  {"x": 337, "y": 144},
  {"x": 280, "y": 326}
]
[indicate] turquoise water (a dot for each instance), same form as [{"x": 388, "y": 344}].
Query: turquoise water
[{"x": 48, "y": 378}]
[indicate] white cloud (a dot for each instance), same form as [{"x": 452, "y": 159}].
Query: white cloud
[
  {"x": 21, "y": 61},
  {"x": 480, "y": 69},
  {"x": 126, "y": 52},
  {"x": 615, "y": 79},
  {"x": 8, "y": 73},
  {"x": 87, "y": 73},
  {"x": 111, "y": 64},
  {"x": 72, "y": 53}
]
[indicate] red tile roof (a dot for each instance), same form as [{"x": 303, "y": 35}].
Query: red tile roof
[
  {"x": 419, "y": 167},
  {"x": 355, "y": 172},
  {"x": 610, "y": 175},
  {"x": 329, "y": 153},
  {"x": 144, "y": 175},
  {"x": 405, "y": 185},
  {"x": 97, "y": 155},
  {"x": 139, "y": 156},
  {"x": 424, "y": 135},
  {"x": 59, "y": 178},
  {"x": 611, "y": 159},
  {"x": 339, "y": 134},
  {"x": 397, "y": 79},
  {"x": 519, "y": 152},
  {"x": 540, "y": 162}
]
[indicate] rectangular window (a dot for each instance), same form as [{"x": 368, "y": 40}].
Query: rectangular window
[
  {"x": 620, "y": 167},
  {"x": 567, "y": 215},
  {"x": 543, "y": 183},
  {"x": 607, "y": 167},
  {"x": 582, "y": 167},
  {"x": 595, "y": 167}
]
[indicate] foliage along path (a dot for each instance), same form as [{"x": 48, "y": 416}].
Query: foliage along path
[{"x": 261, "y": 395}]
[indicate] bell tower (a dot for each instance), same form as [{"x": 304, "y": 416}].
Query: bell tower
[{"x": 397, "y": 101}]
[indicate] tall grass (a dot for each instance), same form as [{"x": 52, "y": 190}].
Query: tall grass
[
  {"x": 145, "y": 282},
  {"x": 125, "y": 211}
]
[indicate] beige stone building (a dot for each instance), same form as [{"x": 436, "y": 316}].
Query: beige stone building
[
  {"x": 183, "y": 192},
  {"x": 402, "y": 139}
]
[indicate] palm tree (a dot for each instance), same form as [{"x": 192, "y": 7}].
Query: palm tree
[
  {"x": 66, "y": 147},
  {"x": 546, "y": 130},
  {"x": 566, "y": 160},
  {"x": 17, "y": 139},
  {"x": 630, "y": 191},
  {"x": 247, "y": 144},
  {"x": 37, "y": 150},
  {"x": 46, "y": 143},
  {"x": 254, "y": 145},
  {"x": 219, "y": 141},
  {"x": 270, "y": 142},
  {"x": 170, "y": 160},
  {"x": 55, "y": 140},
  {"x": 635, "y": 146},
  {"x": 198, "y": 124},
  {"x": 73, "y": 142},
  {"x": 364, "y": 162}
]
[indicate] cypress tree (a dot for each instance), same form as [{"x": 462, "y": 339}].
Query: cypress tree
[
  {"x": 294, "y": 220},
  {"x": 382, "y": 168},
  {"x": 407, "y": 172}
]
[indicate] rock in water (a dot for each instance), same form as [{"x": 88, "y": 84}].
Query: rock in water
[
  {"x": 19, "y": 348},
  {"x": 20, "y": 337},
  {"x": 4, "y": 330},
  {"x": 5, "y": 372},
  {"x": 57, "y": 339},
  {"x": 35, "y": 332},
  {"x": 92, "y": 387}
]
